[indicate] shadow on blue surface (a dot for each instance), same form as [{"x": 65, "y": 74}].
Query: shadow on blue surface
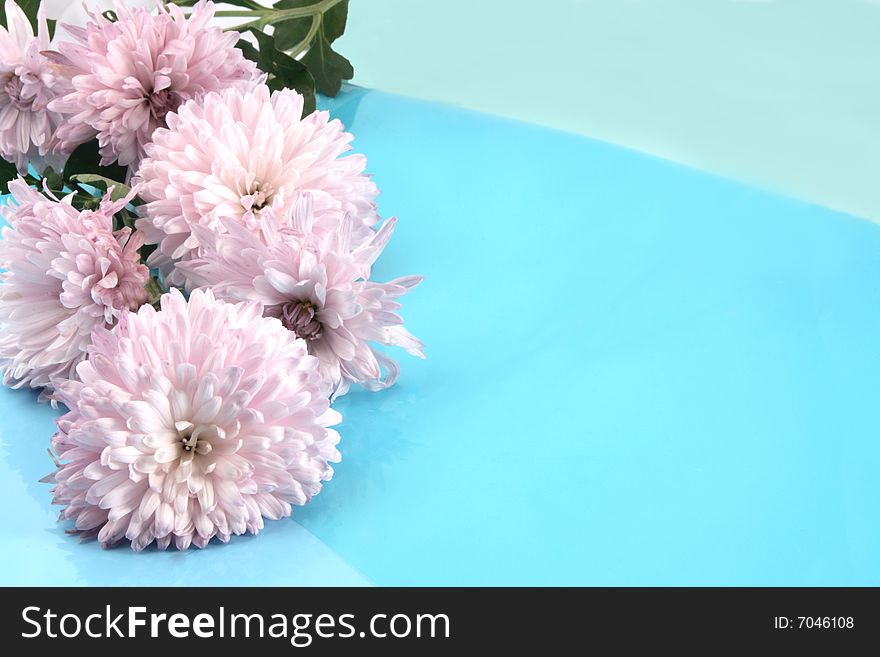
[{"x": 636, "y": 374}]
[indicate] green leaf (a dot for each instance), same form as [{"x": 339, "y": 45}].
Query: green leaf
[
  {"x": 7, "y": 172},
  {"x": 53, "y": 179},
  {"x": 87, "y": 159},
  {"x": 284, "y": 71},
  {"x": 313, "y": 34},
  {"x": 328, "y": 67},
  {"x": 250, "y": 52},
  {"x": 292, "y": 74},
  {"x": 291, "y": 33},
  {"x": 127, "y": 219},
  {"x": 120, "y": 190},
  {"x": 334, "y": 21}
]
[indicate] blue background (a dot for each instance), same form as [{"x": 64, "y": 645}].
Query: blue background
[{"x": 637, "y": 374}]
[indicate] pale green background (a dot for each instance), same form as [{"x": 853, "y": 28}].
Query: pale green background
[{"x": 784, "y": 94}]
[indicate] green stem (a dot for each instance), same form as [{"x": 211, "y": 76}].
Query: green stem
[
  {"x": 243, "y": 27},
  {"x": 269, "y": 16},
  {"x": 237, "y": 13},
  {"x": 303, "y": 45}
]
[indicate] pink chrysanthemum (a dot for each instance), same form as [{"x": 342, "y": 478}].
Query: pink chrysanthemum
[
  {"x": 193, "y": 422},
  {"x": 317, "y": 286},
  {"x": 236, "y": 154},
  {"x": 129, "y": 73},
  {"x": 66, "y": 272},
  {"x": 29, "y": 81}
]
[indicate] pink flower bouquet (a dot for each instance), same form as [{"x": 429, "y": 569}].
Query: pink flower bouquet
[{"x": 187, "y": 262}]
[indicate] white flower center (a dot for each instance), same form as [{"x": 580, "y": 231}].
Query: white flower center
[
  {"x": 195, "y": 439},
  {"x": 256, "y": 195}
]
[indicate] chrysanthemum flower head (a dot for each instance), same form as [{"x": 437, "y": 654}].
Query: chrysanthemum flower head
[
  {"x": 239, "y": 155},
  {"x": 66, "y": 272},
  {"x": 190, "y": 423},
  {"x": 29, "y": 81},
  {"x": 130, "y": 73},
  {"x": 317, "y": 284}
]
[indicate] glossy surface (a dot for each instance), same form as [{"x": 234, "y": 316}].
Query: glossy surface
[
  {"x": 636, "y": 374},
  {"x": 783, "y": 94}
]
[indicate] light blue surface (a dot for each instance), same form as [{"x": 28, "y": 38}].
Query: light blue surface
[{"x": 636, "y": 374}]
